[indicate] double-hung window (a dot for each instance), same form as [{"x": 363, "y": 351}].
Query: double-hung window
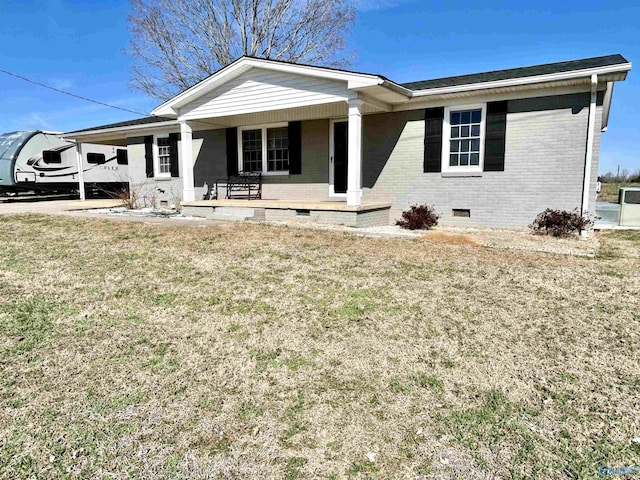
[
  {"x": 164, "y": 157},
  {"x": 264, "y": 149},
  {"x": 463, "y": 139}
]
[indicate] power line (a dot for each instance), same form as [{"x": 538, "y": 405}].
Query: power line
[{"x": 71, "y": 94}]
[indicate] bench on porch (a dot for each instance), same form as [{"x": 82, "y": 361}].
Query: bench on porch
[{"x": 244, "y": 185}]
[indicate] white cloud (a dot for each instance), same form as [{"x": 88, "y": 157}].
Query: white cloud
[
  {"x": 370, "y": 5},
  {"x": 62, "y": 83},
  {"x": 65, "y": 119},
  {"x": 34, "y": 121}
]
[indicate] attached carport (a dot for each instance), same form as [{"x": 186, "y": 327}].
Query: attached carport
[{"x": 114, "y": 134}]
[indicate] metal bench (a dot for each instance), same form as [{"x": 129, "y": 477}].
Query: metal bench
[{"x": 244, "y": 185}]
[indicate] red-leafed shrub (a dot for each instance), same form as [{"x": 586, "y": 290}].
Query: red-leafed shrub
[
  {"x": 419, "y": 217},
  {"x": 560, "y": 223}
]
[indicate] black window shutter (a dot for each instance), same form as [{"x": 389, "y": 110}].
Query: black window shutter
[
  {"x": 232, "y": 151},
  {"x": 295, "y": 148},
  {"x": 433, "y": 139},
  {"x": 148, "y": 155},
  {"x": 495, "y": 136},
  {"x": 173, "y": 154}
]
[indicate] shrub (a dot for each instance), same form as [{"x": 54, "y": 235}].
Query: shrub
[
  {"x": 560, "y": 223},
  {"x": 419, "y": 217}
]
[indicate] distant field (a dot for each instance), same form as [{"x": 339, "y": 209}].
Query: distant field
[
  {"x": 610, "y": 191},
  {"x": 256, "y": 352}
]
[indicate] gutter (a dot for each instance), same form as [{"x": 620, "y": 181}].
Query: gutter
[{"x": 620, "y": 68}]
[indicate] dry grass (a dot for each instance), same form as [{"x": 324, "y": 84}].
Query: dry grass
[
  {"x": 254, "y": 351},
  {"x": 610, "y": 191},
  {"x": 449, "y": 238}
]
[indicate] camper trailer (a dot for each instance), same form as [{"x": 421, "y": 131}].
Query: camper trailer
[{"x": 44, "y": 162}]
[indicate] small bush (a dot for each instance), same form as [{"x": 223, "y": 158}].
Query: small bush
[
  {"x": 560, "y": 223},
  {"x": 419, "y": 217}
]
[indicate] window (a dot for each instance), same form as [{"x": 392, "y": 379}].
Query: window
[
  {"x": 264, "y": 149},
  {"x": 52, "y": 156},
  {"x": 164, "y": 157},
  {"x": 122, "y": 156},
  {"x": 463, "y": 133},
  {"x": 252, "y": 150},
  {"x": 95, "y": 158},
  {"x": 277, "y": 149}
]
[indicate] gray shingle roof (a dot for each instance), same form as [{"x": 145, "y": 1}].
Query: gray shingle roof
[
  {"x": 127, "y": 123},
  {"x": 521, "y": 72}
]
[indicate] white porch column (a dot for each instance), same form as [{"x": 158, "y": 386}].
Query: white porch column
[
  {"x": 83, "y": 195},
  {"x": 185, "y": 158},
  {"x": 354, "y": 166}
]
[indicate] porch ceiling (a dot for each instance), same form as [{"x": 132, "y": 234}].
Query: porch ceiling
[{"x": 314, "y": 112}]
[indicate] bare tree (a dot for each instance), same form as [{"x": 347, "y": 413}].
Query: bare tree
[{"x": 177, "y": 43}]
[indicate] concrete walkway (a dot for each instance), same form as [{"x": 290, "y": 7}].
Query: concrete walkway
[{"x": 10, "y": 206}]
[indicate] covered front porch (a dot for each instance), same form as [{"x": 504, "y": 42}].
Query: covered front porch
[
  {"x": 300, "y": 127},
  {"x": 367, "y": 214}
]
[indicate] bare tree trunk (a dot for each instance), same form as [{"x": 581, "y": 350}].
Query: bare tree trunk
[{"x": 177, "y": 43}]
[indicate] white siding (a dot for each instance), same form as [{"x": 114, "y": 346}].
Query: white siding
[
  {"x": 325, "y": 111},
  {"x": 260, "y": 90}
]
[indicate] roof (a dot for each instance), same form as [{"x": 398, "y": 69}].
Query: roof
[
  {"x": 126, "y": 123},
  {"x": 245, "y": 63},
  {"x": 11, "y": 143},
  {"x": 409, "y": 89},
  {"x": 521, "y": 72}
]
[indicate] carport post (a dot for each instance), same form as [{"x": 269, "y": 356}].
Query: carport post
[{"x": 83, "y": 195}]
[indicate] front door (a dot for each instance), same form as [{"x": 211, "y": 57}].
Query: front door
[{"x": 339, "y": 157}]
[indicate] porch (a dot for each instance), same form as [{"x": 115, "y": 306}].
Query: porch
[{"x": 367, "y": 214}]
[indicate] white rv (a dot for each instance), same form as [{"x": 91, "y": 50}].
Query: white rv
[{"x": 44, "y": 162}]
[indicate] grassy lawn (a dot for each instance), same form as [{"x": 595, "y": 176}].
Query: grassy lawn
[
  {"x": 254, "y": 351},
  {"x": 610, "y": 191}
]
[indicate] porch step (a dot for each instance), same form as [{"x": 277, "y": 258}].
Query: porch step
[{"x": 235, "y": 213}]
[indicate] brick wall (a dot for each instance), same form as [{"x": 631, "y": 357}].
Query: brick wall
[{"x": 544, "y": 164}]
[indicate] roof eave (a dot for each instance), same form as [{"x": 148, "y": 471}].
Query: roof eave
[
  {"x": 125, "y": 129},
  {"x": 537, "y": 79}
]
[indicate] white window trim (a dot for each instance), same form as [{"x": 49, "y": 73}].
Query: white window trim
[
  {"x": 264, "y": 128},
  {"x": 156, "y": 158},
  {"x": 332, "y": 191},
  {"x": 446, "y": 137}
]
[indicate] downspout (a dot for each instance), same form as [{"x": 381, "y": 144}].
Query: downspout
[
  {"x": 590, "y": 138},
  {"x": 606, "y": 106}
]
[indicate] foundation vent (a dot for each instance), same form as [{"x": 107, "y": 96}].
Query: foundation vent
[{"x": 462, "y": 212}]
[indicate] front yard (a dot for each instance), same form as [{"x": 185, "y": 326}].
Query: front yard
[{"x": 254, "y": 351}]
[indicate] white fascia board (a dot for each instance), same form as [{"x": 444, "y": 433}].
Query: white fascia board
[
  {"x": 126, "y": 129},
  {"x": 511, "y": 82},
  {"x": 354, "y": 80}
]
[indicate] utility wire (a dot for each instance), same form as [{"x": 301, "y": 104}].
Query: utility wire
[{"x": 71, "y": 94}]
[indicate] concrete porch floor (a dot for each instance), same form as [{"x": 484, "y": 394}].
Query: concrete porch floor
[
  {"x": 289, "y": 204},
  {"x": 337, "y": 213}
]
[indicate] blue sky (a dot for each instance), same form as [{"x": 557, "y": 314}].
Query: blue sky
[{"x": 78, "y": 45}]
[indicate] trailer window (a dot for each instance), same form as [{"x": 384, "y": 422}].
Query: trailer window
[
  {"x": 52, "y": 156},
  {"x": 95, "y": 158},
  {"x": 122, "y": 157}
]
